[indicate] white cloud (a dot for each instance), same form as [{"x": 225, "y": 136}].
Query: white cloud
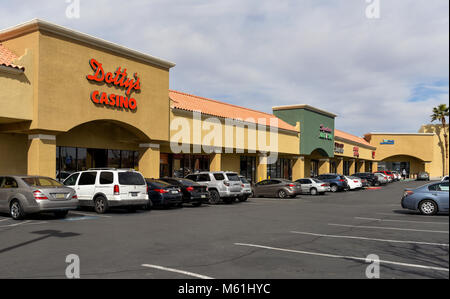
[{"x": 262, "y": 53}]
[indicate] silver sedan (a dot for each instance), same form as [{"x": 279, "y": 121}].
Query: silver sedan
[
  {"x": 313, "y": 186},
  {"x": 23, "y": 195}
]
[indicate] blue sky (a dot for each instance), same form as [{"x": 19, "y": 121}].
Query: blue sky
[{"x": 376, "y": 74}]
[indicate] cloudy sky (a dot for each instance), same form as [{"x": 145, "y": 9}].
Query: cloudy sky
[{"x": 381, "y": 74}]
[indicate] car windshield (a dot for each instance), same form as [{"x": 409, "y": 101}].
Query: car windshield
[
  {"x": 41, "y": 182},
  {"x": 244, "y": 180},
  {"x": 187, "y": 182},
  {"x": 159, "y": 184},
  {"x": 130, "y": 179},
  {"x": 233, "y": 177}
]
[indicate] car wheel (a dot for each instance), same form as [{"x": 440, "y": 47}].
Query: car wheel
[
  {"x": 282, "y": 194},
  {"x": 428, "y": 207},
  {"x": 313, "y": 191},
  {"x": 148, "y": 206},
  {"x": 16, "y": 210},
  {"x": 100, "y": 205},
  {"x": 214, "y": 197},
  {"x": 61, "y": 214},
  {"x": 334, "y": 188},
  {"x": 243, "y": 198}
]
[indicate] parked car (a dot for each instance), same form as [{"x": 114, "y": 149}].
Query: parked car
[
  {"x": 223, "y": 186},
  {"x": 163, "y": 194},
  {"x": 445, "y": 178},
  {"x": 192, "y": 192},
  {"x": 371, "y": 178},
  {"x": 354, "y": 183},
  {"x": 382, "y": 178},
  {"x": 337, "y": 182},
  {"x": 23, "y": 195},
  {"x": 61, "y": 176},
  {"x": 247, "y": 189},
  {"x": 313, "y": 186},
  {"x": 108, "y": 188},
  {"x": 389, "y": 174},
  {"x": 423, "y": 176},
  {"x": 429, "y": 199},
  {"x": 280, "y": 188},
  {"x": 397, "y": 175}
]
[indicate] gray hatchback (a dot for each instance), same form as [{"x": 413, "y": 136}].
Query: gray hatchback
[{"x": 22, "y": 195}]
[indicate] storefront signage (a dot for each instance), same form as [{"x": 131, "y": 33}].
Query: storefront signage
[
  {"x": 338, "y": 148},
  {"x": 325, "y": 133},
  {"x": 389, "y": 142},
  {"x": 119, "y": 79},
  {"x": 356, "y": 151}
]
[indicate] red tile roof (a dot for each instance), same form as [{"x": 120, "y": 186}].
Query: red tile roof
[
  {"x": 350, "y": 137},
  {"x": 215, "y": 108},
  {"x": 7, "y": 57}
]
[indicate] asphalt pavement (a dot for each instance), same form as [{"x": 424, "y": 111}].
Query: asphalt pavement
[{"x": 327, "y": 236}]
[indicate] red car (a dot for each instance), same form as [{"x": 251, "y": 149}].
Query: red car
[{"x": 388, "y": 174}]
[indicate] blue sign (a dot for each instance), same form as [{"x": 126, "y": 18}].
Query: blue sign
[{"x": 389, "y": 142}]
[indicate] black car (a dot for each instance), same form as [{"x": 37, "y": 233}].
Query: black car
[
  {"x": 163, "y": 194},
  {"x": 193, "y": 192},
  {"x": 371, "y": 178}
]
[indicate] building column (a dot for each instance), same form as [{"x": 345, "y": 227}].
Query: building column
[
  {"x": 374, "y": 166},
  {"x": 361, "y": 166},
  {"x": 324, "y": 166},
  {"x": 298, "y": 168},
  {"x": 340, "y": 165},
  {"x": 42, "y": 155},
  {"x": 261, "y": 168},
  {"x": 215, "y": 163},
  {"x": 149, "y": 160},
  {"x": 351, "y": 166}
]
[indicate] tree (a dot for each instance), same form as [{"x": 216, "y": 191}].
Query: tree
[{"x": 439, "y": 114}]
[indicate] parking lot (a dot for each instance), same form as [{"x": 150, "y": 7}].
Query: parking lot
[{"x": 326, "y": 236}]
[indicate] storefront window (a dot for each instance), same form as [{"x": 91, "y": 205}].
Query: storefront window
[
  {"x": 70, "y": 159},
  {"x": 114, "y": 158},
  {"x": 183, "y": 165},
  {"x": 248, "y": 167},
  {"x": 346, "y": 168},
  {"x": 282, "y": 169}
]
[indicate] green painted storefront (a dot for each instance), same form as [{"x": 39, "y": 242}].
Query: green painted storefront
[{"x": 316, "y": 128}]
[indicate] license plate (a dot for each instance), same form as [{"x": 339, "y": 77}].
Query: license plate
[
  {"x": 203, "y": 196},
  {"x": 60, "y": 196},
  {"x": 134, "y": 194},
  {"x": 174, "y": 192}
]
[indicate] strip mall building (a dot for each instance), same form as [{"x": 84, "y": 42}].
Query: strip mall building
[{"x": 70, "y": 101}]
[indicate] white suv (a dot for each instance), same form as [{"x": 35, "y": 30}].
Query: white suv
[{"x": 107, "y": 187}]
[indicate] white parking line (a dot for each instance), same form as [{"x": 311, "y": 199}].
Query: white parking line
[
  {"x": 369, "y": 239},
  {"x": 177, "y": 271},
  {"x": 395, "y": 220},
  {"x": 4, "y": 219},
  {"x": 404, "y": 215},
  {"x": 391, "y": 228},
  {"x": 342, "y": 257},
  {"x": 24, "y": 223},
  {"x": 91, "y": 215}
]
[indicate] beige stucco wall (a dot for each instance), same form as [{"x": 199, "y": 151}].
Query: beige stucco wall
[
  {"x": 13, "y": 150},
  {"x": 64, "y": 92},
  {"x": 287, "y": 143},
  {"x": 439, "y": 159},
  {"x": 18, "y": 91},
  {"x": 365, "y": 153}
]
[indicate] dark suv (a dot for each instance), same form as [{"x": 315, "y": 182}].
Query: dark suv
[
  {"x": 371, "y": 178},
  {"x": 337, "y": 182}
]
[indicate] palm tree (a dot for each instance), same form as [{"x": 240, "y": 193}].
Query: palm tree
[{"x": 439, "y": 114}]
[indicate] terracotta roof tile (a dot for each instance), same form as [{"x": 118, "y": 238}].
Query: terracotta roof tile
[
  {"x": 350, "y": 137},
  {"x": 7, "y": 57},
  {"x": 211, "y": 107}
]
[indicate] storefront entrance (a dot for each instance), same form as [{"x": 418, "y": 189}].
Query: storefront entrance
[
  {"x": 72, "y": 159},
  {"x": 396, "y": 166}
]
